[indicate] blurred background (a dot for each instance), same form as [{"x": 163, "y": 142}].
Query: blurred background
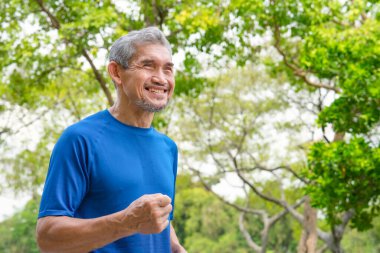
[{"x": 276, "y": 115}]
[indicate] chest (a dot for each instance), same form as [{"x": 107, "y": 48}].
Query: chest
[{"x": 131, "y": 168}]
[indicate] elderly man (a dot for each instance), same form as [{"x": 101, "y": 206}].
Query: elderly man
[{"x": 111, "y": 180}]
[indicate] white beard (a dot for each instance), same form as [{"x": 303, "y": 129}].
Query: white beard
[{"x": 146, "y": 106}]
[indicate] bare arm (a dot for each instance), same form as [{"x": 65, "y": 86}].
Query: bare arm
[
  {"x": 147, "y": 215},
  {"x": 174, "y": 242}
]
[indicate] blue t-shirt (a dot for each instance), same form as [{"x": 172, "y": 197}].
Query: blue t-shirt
[{"x": 99, "y": 166}]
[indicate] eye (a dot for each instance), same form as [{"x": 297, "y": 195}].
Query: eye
[
  {"x": 148, "y": 65},
  {"x": 168, "y": 69}
]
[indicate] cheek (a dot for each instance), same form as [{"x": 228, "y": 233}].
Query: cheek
[
  {"x": 172, "y": 85},
  {"x": 134, "y": 87}
]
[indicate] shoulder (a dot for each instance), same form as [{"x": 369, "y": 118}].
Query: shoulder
[
  {"x": 167, "y": 140},
  {"x": 86, "y": 129}
]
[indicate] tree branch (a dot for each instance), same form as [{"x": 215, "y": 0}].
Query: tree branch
[
  {"x": 53, "y": 20},
  {"x": 278, "y": 216},
  {"x": 246, "y": 235},
  {"x": 281, "y": 167},
  {"x": 338, "y": 230},
  {"x": 237, "y": 207},
  {"x": 56, "y": 24},
  {"x": 297, "y": 70},
  {"x": 281, "y": 203},
  {"x": 99, "y": 78}
]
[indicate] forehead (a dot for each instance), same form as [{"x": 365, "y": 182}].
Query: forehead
[{"x": 155, "y": 52}]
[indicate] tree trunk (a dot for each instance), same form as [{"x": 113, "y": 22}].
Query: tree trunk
[
  {"x": 337, "y": 235},
  {"x": 309, "y": 237},
  {"x": 337, "y": 248}
]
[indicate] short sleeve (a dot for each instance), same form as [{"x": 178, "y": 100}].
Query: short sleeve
[
  {"x": 175, "y": 166},
  {"x": 67, "y": 179}
]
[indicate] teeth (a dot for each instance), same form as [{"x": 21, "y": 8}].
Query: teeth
[{"x": 156, "y": 91}]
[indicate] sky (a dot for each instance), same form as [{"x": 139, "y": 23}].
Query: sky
[{"x": 9, "y": 204}]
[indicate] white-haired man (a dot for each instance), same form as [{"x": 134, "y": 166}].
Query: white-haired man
[{"x": 111, "y": 180}]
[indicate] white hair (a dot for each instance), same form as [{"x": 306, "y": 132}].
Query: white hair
[{"x": 124, "y": 48}]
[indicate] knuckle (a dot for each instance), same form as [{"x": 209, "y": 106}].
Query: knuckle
[
  {"x": 156, "y": 195},
  {"x": 146, "y": 204}
]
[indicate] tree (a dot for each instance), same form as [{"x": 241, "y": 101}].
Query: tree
[
  {"x": 232, "y": 126},
  {"x": 334, "y": 46},
  {"x": 202, "y": 222},
  {"x": 207, "y": 225}
]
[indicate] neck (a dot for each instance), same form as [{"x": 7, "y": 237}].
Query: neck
[{"x": 131, "y": 115}]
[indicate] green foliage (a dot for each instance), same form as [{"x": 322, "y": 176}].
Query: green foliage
[
  {"x": 47, "y": 48},
  {"x": 346, "y": 178},
  {"x": 189, "y": 86},
  {"x": 353, "y": 61},
  {"x": 363, "y": 242},
  {"x": 233, "y": 118},
  {"x": 40, "y": 61},
  {"x": 336, "y": 43},
  {"x": 18, "y": 232},
  {"x": 205, "y": 224},
  {"x": 232, "y": 105},
  {"x": 202, "y": 222}
]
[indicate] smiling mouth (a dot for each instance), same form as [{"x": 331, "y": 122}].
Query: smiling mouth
[{"x": 157, "y": 91}]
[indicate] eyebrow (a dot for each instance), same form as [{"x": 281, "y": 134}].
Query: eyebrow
[
  {"x": 144, "y": 61},
  {"x": 149, "y": 61},
  {"x": 169, "y": 64}
]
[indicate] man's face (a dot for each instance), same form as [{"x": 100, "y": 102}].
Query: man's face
[{"x": 148, "y": 82}]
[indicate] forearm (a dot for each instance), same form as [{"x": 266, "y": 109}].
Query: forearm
[
  {"x": 174, "y": 242},
  {"x": 147, "y": 215},
  {"x": 66, "y": 234}
]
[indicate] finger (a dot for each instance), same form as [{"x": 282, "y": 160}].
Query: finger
[
  {"x": 158, "y": 211},
  {"x": 165, "y": 211},
  {"x": 162, "y": 219},
  {"x": 168, "y": 208},
  {"x": 164, "y": 200},
  {"x": 159, "y": 196},
  {"x": 161, "y": 212}
]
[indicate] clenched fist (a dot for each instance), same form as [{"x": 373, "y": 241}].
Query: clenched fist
[{"x": 148, "y": 214}]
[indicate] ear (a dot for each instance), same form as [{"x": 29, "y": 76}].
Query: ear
[{"x": 113, "y": 71}]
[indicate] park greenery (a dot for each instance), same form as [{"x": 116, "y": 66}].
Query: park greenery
[{"x": 280, "y": 99}]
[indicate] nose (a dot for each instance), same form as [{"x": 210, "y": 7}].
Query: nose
[{"x": 159, "y": 78}]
